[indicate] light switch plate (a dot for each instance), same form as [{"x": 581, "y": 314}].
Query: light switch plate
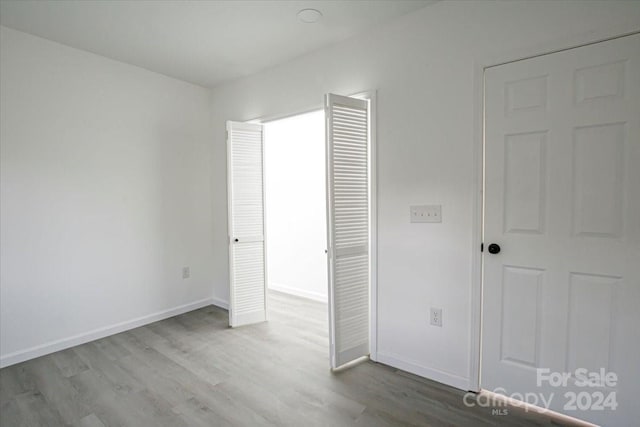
[{"x": 426, "y": 213}]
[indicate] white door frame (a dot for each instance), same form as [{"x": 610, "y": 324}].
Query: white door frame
[
  {"x": 479, "y": 67},
  {"x": 371, "y": 95}
]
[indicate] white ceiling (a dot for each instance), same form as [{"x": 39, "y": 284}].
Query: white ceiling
[{"x": 203, "y": 42}]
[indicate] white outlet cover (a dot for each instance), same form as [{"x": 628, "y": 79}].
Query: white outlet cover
[
  {"x": 425, "y": 213},
  {"x": 435, "y": 317}
]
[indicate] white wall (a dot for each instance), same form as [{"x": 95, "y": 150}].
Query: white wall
[
  {"x": 105, "y": 196},
  {"x": 425, "y": 68},
  {"x": 295, "y": 205}
]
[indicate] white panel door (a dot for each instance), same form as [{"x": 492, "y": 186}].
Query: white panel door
[
  {"x": 348, "y": 219},
  {"x": 247, "y": 266},
  {"x": 562, "y": 200}
]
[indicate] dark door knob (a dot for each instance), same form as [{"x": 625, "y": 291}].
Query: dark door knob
[
  {"x": 235, "y": 240},
  {"x": 494, "y": 248}
]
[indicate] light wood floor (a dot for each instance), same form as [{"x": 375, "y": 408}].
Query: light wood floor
[{"x": 192, "y": 370}]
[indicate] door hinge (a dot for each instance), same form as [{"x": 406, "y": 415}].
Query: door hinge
[{"x": 481, "y": 247}]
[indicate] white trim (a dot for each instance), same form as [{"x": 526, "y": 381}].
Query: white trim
[
  {"x": 373, "y": 226},
  {"x": 475, "y": 302},
  {"x": 265, "y": 288},
  {"x": 479, "y": 67},
  {"x": 330, "y": 255},
  {"x": 557, "y": 45},
  {"x": 315, "y": 296},
  {"x": 576, "y": 44},
  {"x": 220, "y": 303},
  {"x": 373, "y": 221},
  {"x": 105, "y": 331},
  {"x": 423, "y": 371},
  {"x": 230, "y": 221},
  {"x": 276, "y": 117}
]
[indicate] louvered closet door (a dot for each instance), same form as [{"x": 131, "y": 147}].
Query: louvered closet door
[
  {"x": 246, "y": 224},
  {"x": 348, "y": 227}
]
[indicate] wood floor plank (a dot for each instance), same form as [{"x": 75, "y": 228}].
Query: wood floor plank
[
  {"x": 68, "y": 362},
  {"x": 10, "y": 414},
  {"x": 107, "y": 369},
  {"x": 34, "y": 410},
  {"x": 90, "y": 420},
  {"x": 193, "y": 370},
  {"x": 14, "y": 381},
  {"x": 57, "y": 390},
  {"x": 196, "y": 414}
]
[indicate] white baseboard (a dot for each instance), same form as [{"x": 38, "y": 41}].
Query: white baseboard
[
  {"x": 220, "y": 303},
  {"x": 61, "y": 344},
  {"x": 316, "y": 296},
  {"x": 430, "y": 373}
]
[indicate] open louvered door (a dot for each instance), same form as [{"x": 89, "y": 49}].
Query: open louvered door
[
  {"x": 348, "y": 217},
  {"x": 247, "y": 266}
]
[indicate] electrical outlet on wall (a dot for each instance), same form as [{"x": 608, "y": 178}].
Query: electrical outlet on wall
[
  {"x": 436, "y": 317},
  {"x": 186, "y": 272}
]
